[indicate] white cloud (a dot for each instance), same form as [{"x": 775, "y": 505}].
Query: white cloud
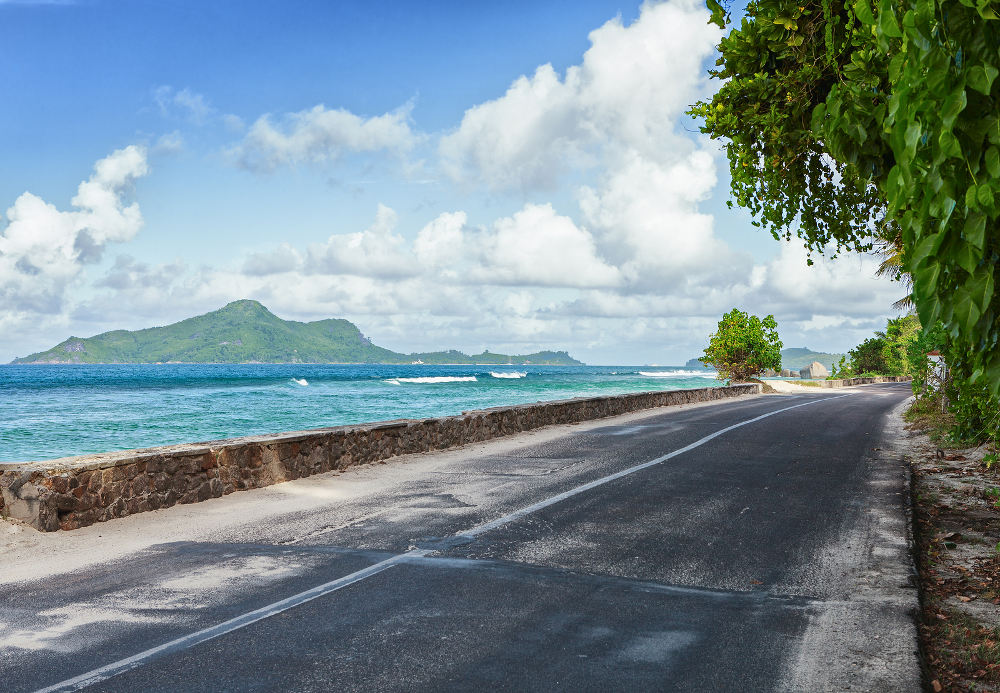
[
  {"x": 629, "y": 92},
  {"x": 440, "y": 245},
  {"x": 320, "y": 134},
  {"x": 523, "y": 139},
  {"x": 620, "y": 108},
  {"x": 284, "y": 258},
  {"x": 646, "y": 215},
  {"x": 537, "y": 247},
  {"x": 533, "y": 247},
  {"x": 375, "y": 252},
  {"x": 189, "y": 104},
  {"x": 846, "y": 286},
  {"x": 169, "y": 143},
  {"x": 43, "y": 249}
]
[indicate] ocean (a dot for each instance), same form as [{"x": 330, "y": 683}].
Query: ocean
[{"x": 57, "y": 411}]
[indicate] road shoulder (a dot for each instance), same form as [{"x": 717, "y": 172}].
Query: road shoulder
[{"x": 867, "y": 639}]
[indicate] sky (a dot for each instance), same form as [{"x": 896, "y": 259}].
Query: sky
[{"x": 511, "y": 176}]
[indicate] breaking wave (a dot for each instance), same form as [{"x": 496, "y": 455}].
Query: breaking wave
[
  {"x": 301, "y": 381},
  {"x": 434, "y": 379},
  {"x": 514, "y": 374},
  {"x": 677, "y": 374}
]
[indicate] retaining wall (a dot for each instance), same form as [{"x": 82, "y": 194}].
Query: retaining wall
[
  {"x": 847, "y": 382},
  {"x": 75, "y": 492}
]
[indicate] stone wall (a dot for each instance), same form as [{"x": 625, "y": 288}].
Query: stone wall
[
  {"x": 847, "y": 382},
  {"x": 75, "y": 492}
]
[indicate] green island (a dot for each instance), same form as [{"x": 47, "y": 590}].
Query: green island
[
  {"x": 794, "y": 359},
  {"x": 246, "y": 332}
]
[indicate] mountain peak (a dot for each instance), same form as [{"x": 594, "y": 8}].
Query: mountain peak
[{"x": 246, "y": 305}]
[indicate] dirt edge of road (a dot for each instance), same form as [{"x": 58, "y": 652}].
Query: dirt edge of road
[{"x": 956, "y": 523}]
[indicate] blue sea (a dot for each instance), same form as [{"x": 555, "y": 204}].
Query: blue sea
[{"x": 58, "y": 411}]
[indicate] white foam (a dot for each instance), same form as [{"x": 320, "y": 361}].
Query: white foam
[
  {"x": 513, "y": 374},
  {"x": 677, "y": 374},
  {"x": 301, "y": 381},
  {"x": 438, "y": 379},
  {"x": 392, "y": 381}
]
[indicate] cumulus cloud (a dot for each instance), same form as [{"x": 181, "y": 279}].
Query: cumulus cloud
[
  {"x": 284, "y": 258},
  {"x": 43, "y": 249},
  {"x": 620, "y": 108},
  {"x": 320, "y": 134},
  {"x": 128, "y": 274},
  {"x": 523, "y": 139},
  {"x": 632, "y": 86},
  {"x": 378, "y": 251},
  {"x": 533, "y": 247},
  {"x": 538, "y": 247}
]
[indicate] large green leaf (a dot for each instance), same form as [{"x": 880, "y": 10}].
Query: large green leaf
[
  {"x": 981, "y": 78},
  {"x": 992, "y": 159},
  {"x": 980, "y": 287},
  {"x": 975, "y": 229},
  {"x": 966, "y": 311},
  {"x": 863, "y": 10},
  {"x": 887, "y": 20}
]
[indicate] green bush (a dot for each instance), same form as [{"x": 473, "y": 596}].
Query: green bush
[{"x": 743, "y": 346}]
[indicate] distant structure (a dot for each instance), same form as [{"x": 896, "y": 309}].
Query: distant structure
[{"x": 814, "y": 370}]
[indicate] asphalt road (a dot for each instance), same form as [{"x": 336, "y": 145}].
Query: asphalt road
[{"x": 761, "y": 547}]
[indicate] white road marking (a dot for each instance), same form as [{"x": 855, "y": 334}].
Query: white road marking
[
  {"x": 501, "y": 521},
  {"x": 198, "y": 637}
]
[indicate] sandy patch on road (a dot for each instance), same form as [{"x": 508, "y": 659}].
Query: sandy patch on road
[
  {"x": 790, "y": 386},
  {"x": 174, "y": 599}
]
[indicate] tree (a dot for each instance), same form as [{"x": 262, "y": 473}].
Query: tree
[
  {"x": 869, "y": 356},
  {"x": 743, "y": 346},
  {"x": 899, "y": 334},
  {"x": 853, "y": 126}
]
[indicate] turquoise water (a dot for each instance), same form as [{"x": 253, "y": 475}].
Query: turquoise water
[{"x": 57, "y": 411}]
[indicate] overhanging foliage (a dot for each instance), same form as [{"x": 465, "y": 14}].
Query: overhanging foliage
[{"x": 847, "y": 124}]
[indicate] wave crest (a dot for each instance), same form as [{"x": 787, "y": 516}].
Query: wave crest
[
  {"x": 513, "y": 374},
  {"x": 677, "y": 374},
  {"x": 434, "y": 379}
]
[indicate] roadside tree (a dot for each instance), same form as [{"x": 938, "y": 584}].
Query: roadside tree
[
  {"x": 743, "y": 346},
  {"x": 858, "y": 126}
]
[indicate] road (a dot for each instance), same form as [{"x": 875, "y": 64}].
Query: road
[{"x": 751, "y": 545}]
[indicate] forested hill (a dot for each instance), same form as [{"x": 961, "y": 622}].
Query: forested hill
[
  {"x": 795, "y": 358},
  {"x": 247, "y": 332}
]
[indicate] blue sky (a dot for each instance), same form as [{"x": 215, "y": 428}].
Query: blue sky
[{"x": 511, "y": 176}]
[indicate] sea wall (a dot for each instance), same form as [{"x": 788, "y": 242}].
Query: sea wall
[
  {"x": 847, "y": 382},
  {"x": 75, "y": 492}
]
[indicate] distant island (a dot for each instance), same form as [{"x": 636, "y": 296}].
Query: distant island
[
  {"x": 793, "y": 359},
  {"x": 247, "y": 332}
]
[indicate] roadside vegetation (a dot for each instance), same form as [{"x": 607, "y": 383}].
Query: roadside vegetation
[
  {"x": 861, "y": 128},
  {"x": 743, "y": 347}
]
